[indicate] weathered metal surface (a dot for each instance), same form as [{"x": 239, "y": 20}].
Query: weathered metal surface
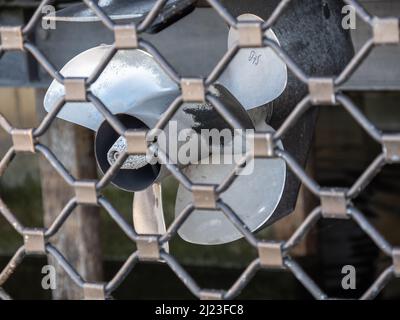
[
  {"x": 115, "y": 9},
  {"x": 128, "y": 10}
]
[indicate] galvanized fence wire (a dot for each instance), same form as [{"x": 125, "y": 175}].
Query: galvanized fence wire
[{"x": 335, "y": 203}]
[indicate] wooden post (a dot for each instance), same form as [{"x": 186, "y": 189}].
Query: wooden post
[
  {"x": 306, "y": 202},
  {"x": 79, "y": 238}
]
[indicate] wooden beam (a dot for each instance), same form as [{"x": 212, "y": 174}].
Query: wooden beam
[{"x": 79, "y": 238}]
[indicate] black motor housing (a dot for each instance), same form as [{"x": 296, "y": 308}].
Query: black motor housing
[
  {"x": 311, "y": 33},
  {"x": 128, "y": 180}
]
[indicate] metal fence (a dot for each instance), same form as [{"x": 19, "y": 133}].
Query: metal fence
[{"x": 335, "y": 203}]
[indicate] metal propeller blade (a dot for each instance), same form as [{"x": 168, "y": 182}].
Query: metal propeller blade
[
  {"x": 253, "y": 197},
  {"x": 148, "y": 213},
  {"x": 254, "y": 76},
  {"x": 130, "y": 80}
]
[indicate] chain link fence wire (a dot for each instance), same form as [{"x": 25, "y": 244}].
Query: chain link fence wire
[{"x": 335, "y": 203}]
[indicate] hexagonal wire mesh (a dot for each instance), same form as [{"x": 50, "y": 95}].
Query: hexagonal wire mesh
[{"x": 335, "y": 203}]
